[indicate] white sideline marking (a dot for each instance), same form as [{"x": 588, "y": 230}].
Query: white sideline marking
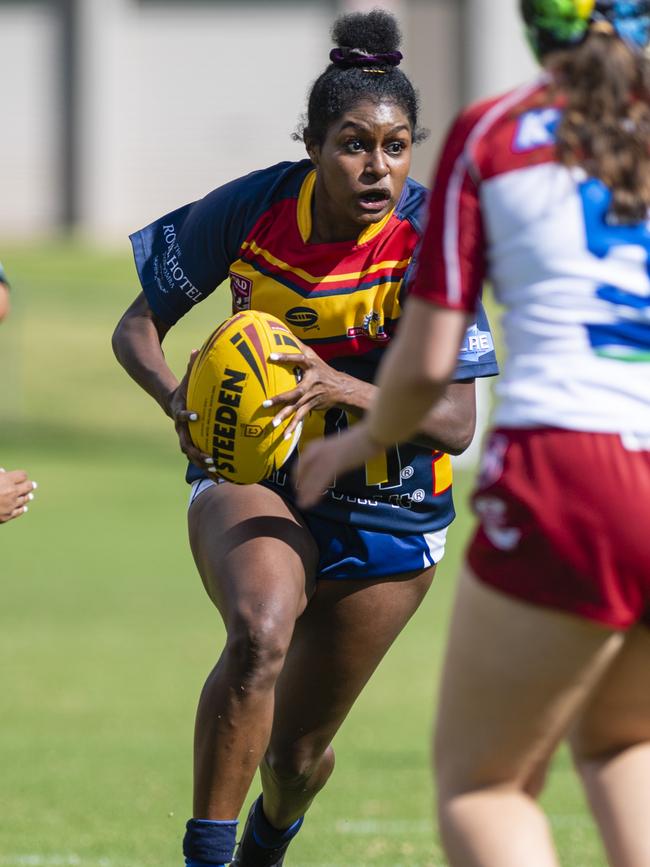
[
  {"x": 410, "y": 863},
  {"x": 69, "y": 859},
  {"x": 384, "y": 827}
]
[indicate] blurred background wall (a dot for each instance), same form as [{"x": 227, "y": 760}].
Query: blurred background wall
[{"x": 115, "y": 111}]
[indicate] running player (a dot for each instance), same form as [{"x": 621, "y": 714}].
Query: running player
[
  {"x": 311, "y": 600},
  {"x": 545, "y": 190}
]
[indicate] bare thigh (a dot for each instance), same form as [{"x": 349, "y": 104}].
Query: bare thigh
[
  {"x": 617, "y": 715},
  {"x": 252, "y": 549},
  {"x": 338, "y": 643},
  {"x": 515, "y": 676}
]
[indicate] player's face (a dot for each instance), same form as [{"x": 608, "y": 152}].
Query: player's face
[{"x": 361, "y": 169}]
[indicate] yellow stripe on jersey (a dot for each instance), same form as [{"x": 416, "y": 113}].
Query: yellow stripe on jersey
[
  {"x": 442, "y": 474},
  {"x": 304, "y": 206},
  {"x": 304, "y": 211},
  {"x": 326, "y": 278},
  {"x": 336, "y": 314}
]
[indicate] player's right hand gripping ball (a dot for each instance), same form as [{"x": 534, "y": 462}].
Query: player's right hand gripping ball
[{"x": 229, "y": 381}]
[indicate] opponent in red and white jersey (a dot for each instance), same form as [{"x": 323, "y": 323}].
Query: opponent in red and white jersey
[
  {"x": 575, "y": 284},
  {"x": 546, "y": 193}
]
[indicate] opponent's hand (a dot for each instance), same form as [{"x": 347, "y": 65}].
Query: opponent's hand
[
  {"x": 177, "y": 409},
  {"x": 319, "y": 388},
  {"x": 325, "y": 459},
  {"x": 16, "y": 490}
]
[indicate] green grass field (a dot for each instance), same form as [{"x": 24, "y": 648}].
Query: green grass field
[{"x": 106, "y": 636}]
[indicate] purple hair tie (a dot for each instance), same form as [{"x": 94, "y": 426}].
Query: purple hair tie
[{"x": 358, "y": 57}]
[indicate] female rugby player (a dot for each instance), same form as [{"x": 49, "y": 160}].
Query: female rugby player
[
  {"x": 311, "y": 600},
  {"x": 545, "y": 190}
]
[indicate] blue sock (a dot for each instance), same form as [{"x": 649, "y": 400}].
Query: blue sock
[
  {"x": 209, "y": 843},
  {"x": 266, "y": 835}
]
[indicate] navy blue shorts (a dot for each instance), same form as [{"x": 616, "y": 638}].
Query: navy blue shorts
[{"x": 348, "y": 552}]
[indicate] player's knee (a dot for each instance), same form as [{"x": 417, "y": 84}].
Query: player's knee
[
  {"x": 459, "y": 772},
  {"x": 256, "y": 648},
  {"x": 294, "y": 769},
  {"x": 535, "y": 780}
]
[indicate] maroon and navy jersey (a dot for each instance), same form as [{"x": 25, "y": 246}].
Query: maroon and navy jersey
[{"x": 342, "y": 299}]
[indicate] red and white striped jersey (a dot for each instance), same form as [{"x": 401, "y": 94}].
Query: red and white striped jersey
[{"x": 575, "y": 285}]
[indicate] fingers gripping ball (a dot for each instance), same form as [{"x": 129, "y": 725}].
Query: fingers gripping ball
[{"x": 229, "y": 381}]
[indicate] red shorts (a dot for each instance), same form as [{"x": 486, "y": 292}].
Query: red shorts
[{"x": 565, "y": 522}]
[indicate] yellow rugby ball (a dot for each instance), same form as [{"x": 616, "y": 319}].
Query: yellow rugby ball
[{"x": 229, "y": 381}]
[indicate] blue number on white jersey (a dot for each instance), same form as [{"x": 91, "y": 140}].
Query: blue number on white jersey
[{"x": 627, "y": 339}]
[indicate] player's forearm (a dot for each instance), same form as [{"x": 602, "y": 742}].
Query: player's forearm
[
  {"x": 448, "y": 426},
  {"x": 136, "y": 344}
]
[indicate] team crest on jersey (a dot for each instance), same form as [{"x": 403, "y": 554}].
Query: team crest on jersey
[
  {"x": 536, "y": 129},
  {"x": 242, "y": 289},
  {"x": 373, "y": 327}
]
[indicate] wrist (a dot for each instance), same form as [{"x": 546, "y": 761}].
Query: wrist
[
  {"x": 353, "y": 395},
  {"x": 167, "y": 403}
]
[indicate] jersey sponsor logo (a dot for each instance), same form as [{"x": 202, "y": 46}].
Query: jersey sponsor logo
[
  {"x": 536, "y": 129},
  {"x": 302, "y": 317},
  {"x": 169, "y": 270},
  {"x": 476, "y": 344},
  {"x": 241, "y": 289}
]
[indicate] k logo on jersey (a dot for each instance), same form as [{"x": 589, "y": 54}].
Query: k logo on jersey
[{"x": 536, "y": 129}]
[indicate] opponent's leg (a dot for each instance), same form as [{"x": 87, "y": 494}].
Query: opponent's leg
[
  {"x": 611, "y": 748},
  {"x": 256, "y": 560},
  {"x": 337, "y": 645},
  {"x": 515, "y": 676}
]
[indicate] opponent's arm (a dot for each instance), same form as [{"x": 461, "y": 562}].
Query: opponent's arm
[{"x": 449, "y": 426}]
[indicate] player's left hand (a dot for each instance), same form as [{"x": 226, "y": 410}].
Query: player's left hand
[
  {"x": 325, "y": 459},
  {"x": 181, "y": 416},
  {"x": 319, "y": 388}
]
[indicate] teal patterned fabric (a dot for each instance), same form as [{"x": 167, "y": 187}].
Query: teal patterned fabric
[{"x": 557, "y": 24}]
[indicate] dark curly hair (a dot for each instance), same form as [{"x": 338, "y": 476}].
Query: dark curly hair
[{"x": 364, "y": 68}]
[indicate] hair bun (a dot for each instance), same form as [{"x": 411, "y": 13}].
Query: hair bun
[
  {"x": 362, "y": 36},
  {"x": 347, "y": 57}
]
